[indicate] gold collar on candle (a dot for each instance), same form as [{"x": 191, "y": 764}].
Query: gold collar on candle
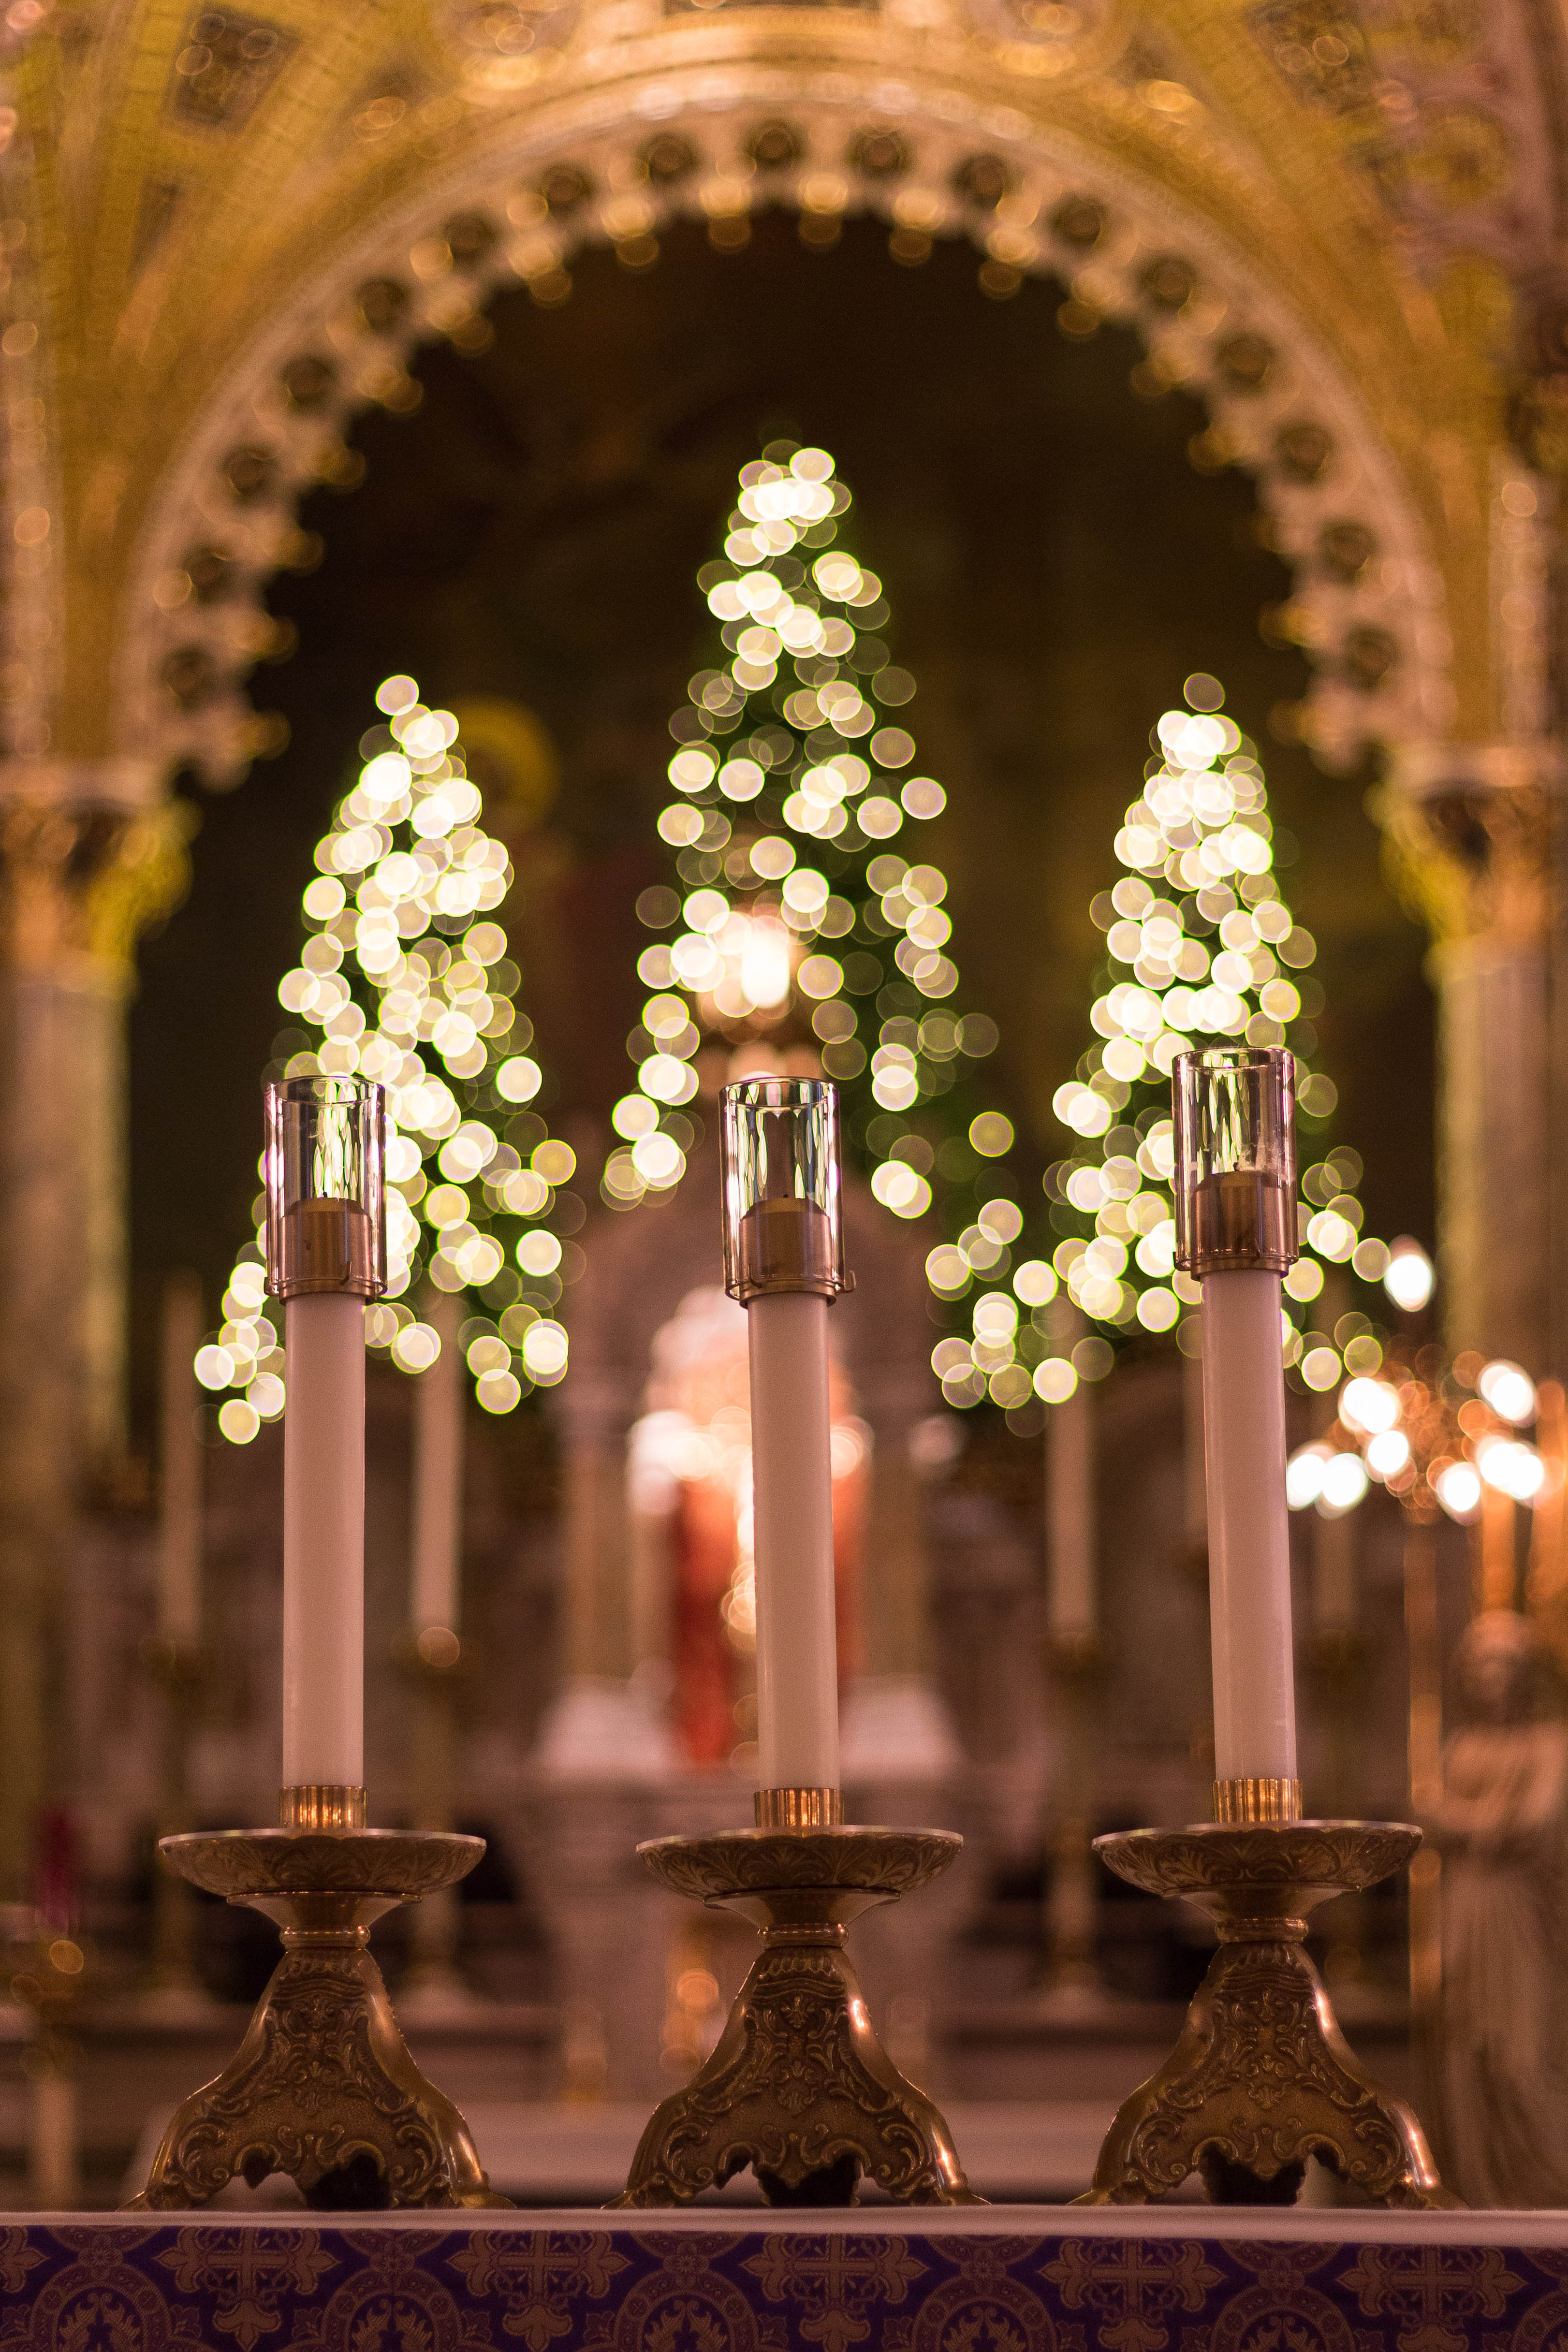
[
  {"x": 1248, "y": 1802},
  {"x": 798, "y": 1809},
  {"x": 320, "y": 1805}
]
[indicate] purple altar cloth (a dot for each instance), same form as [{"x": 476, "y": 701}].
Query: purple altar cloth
[{"x": 1013, "y": 2279}]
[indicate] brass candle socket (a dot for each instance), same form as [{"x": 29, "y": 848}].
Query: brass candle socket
[
  {"x": 799, "y": 2088},
  {"x": 1262, "y": 2078},
  {"x": 1248, "y": 1803},
  {"x": 322, "y": 2088},
  {"x": 798, "y": 1809},
  {"x": 321, "y": 1805}
]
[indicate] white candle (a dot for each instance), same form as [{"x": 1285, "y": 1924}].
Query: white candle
[
  {"x": 783, "y": 1260},
  {"x": 180, "y": 1486},
  {"x": 1195, "y": 1497},
  {"x": 1070, "y": 1594},
  {"x": 1249, "y": 1544},
  {"x": 323, "y": 1543},
  {"x": 439, "y": 1479},
  {"x": 326, "y": 1256},
  {"x": 797, "y": 1654}
]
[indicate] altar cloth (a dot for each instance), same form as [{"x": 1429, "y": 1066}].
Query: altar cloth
[{"x": 1020, "y": 2278}]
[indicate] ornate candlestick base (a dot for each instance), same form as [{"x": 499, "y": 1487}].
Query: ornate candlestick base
[
  {"x": 799, "y": 2088},
  {"x": 323, "y": 2087},
  {"x": 1262, "y": 2078}
]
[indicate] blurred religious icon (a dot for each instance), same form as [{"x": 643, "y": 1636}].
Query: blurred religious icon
[
  {"x": 1502, "y": 1824},
  {"x": 689, "y": 1481}
]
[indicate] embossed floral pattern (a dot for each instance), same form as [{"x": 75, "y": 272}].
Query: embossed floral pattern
[{"x": 735, "y": 1862}]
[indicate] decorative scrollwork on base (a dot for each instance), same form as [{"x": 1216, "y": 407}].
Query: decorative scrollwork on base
[
  {"x": 322, "y": 2088},
  {"x": 1262, "y": 2078},
  {"x": 799, "y": 2088}
]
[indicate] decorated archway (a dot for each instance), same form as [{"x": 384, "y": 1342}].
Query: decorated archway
[
  {"x": 223, "y": 234},
  {"x": 1383, "y": 595}
]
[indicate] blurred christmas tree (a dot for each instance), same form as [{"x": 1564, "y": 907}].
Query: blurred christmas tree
[
  {"x": 409, "y": 981},
  {"x": 1203, "y": 949},
  {"x": 808, "y": 929}
]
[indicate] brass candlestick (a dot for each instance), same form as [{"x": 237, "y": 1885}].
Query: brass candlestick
[
  {"x": 799, "y": 2088},
  {"x": 1262, "y": 2078},
  {"x": 322, "y": 2088}
]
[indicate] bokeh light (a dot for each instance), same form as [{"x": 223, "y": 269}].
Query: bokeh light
[
  {"x": 1409, "y": 1276},
  {"x": 404, "y": 976},
  {"x": 1201, "y": 947}
]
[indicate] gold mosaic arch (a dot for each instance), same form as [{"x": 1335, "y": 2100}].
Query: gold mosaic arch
[
  {"x": 196, "y": 196},
  {"x": 1370, "y": 597}
]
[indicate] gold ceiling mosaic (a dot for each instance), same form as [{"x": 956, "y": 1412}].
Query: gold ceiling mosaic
[{"x": 223, "y": 231}]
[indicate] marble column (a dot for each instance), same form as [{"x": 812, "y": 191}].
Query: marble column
[
  {"x": 1476, "y": 827},
  {"x": 1072, "y": 1544},
  {"x": 895, "y": 1726},
  {"x": 87, "y": 857},
  {"x": 605, "y": 1725},
  {"x": 896, "y": 1731}
]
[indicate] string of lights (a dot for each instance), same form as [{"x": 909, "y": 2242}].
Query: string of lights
[
  {"x": 405, "y": 977},
  {"x": 1201, "y": 945},
  {"x": 807, "y": 929}
]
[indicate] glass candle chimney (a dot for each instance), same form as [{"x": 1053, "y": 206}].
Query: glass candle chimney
[
  {"x": 783, "y": 1189},
  {"x": 326, "y": 1203},
  {"x": 1236, "y": 1160}
]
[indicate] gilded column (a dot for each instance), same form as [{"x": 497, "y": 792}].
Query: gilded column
[
  {"x": 87, "y": 857},
  {"x": 895, "y": 1724},
  {"x": 1473, "y": 828}
]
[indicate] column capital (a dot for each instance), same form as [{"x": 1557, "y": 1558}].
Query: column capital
[
  {"x": 1469, "y": 829},
  {"x": 80, "y": 878},
  {"x": 126, "y": 783},
  {"x": 1433, "y": 770}
]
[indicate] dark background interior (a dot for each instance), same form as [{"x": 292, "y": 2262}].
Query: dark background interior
[{"x": 1056, "y": 567}]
